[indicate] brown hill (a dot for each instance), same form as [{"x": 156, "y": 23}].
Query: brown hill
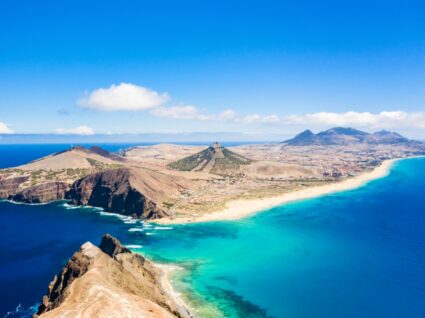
[
  {"x": 93, "y": 177},
  {"x": 137, "y": 192},
  {"x": 74, "y": 158}
]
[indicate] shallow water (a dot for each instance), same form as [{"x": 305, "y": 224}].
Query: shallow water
[{"x": 353, "y": 254}]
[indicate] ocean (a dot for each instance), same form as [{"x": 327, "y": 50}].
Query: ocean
[{"x": 358, "y": 253}]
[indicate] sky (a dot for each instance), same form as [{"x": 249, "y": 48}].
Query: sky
[{"x": 258, "y": 68}]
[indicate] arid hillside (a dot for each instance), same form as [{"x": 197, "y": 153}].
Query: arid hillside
[{"x": 109, "y": 281}]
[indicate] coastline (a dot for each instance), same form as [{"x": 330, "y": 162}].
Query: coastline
[
  {"x": 166, "y": 285},
  {"x": 239, "y": 209}
]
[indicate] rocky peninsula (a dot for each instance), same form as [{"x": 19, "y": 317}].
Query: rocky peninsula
[{"x": 110, "y": 281}]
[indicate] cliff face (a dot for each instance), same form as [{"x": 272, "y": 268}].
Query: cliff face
[
  {"x": 59, "y": 287},
  {"x": 10, "y": 186},
  {"x": 113, "y": 190},
  {"x": 46, "y": 192},
  {"x": 42, "y": 193},
  {"x": 109, "y": 281},
  {"x": 94, "y": 177}
]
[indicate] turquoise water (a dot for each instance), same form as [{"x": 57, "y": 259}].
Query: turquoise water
[
  {"x": 353, "y": 254},
  {"x": 356, "y": 254}
]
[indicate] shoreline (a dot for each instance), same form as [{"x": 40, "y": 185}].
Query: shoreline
[
  {"x": 168, "y": 288},
  {"x": 238, "y": 209}
]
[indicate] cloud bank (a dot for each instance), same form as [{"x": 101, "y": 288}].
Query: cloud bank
[
  {"x": 4, "y": 129},
  {"x": 131, "y": 97},
  {"x": 385, "y": 119},
  {"x": 124, "y": 96},
  {"x": 382, "y": 120},
  {"x": 80, "y": 130}
]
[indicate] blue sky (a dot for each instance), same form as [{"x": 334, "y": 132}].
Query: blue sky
[{"x": 269, "y": 67}]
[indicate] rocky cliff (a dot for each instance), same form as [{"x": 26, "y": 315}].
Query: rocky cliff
[
  {"x": 10, "y": 186},
  {"x": 92, "y": 176},
  {"x": 109, "y": 281},
  {"x": 42, "y": 193},
  {"x": 12, "y": 189},
  {"x": 115, "y": 191}
]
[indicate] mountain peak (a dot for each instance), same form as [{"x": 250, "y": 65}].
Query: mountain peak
[
  {"x": 306, "y": 132},
  {"x": 306, "y": 137},
  {"x": 344, "y": 131},
  {"x": 216, "y": 145},
  {"x": 214, "y": 159}
]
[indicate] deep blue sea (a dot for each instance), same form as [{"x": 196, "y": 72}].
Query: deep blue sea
[{"x": 353, "y": 254}]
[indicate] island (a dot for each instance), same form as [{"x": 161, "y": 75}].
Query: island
[{"x": 172, "y": 183}]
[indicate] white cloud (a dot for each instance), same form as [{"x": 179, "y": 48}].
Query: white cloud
[
  {"x": 255, "y": 118},
  {"x": 227, "y": 114},
  {"x": 191, "y": 112},
  {"x": 80, "y": 130},
  {"x": 176, "y": 112},
  {"x": 124, "y": 96},
  {"x": 382, "y": 120},
  {"x": 385, "y": 119},
  {"x": 4, "y": 129}
]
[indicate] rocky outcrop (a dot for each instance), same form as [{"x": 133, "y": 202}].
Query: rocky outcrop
[
  {"x": 42, "y": 193},
  {"x": 111, "y": 246},
  {"x": 109, "y": 281},
  {"x": 113, "y": 190}
]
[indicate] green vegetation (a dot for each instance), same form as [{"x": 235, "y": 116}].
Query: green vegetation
[
  {"x": 168, "y": 204},
  {"x": 193, "y": 161},
  {"x": 12, "y": 170},
  {"x": 41, "y": 175},
  {"x": 100, "y": 166},
  {"x": 230, "y": 162},
  {"x": 235, "y": 158}
]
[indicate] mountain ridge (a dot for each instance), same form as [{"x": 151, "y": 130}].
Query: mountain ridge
[
  {"x": 110, "y": 281},
  {"x": 347, "y": 136}
]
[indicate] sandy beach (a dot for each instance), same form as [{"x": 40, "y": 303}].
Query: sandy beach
[
  {"x": 166, "y": 284},
  {"x": 238, "y": 209}
]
